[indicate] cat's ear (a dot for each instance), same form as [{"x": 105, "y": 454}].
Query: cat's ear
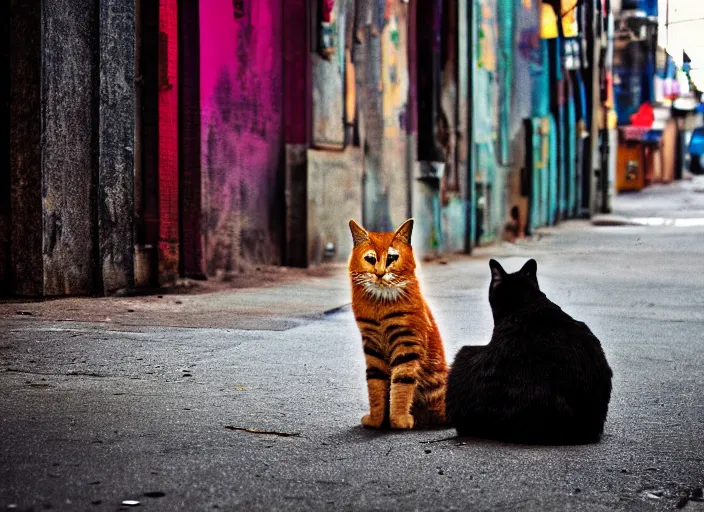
[
  {"x": 530, "y": 268},
  {"x": 404, "y": 231},
  {"x": 359, "y": 234},
  {"x": 497, "y": 272}
]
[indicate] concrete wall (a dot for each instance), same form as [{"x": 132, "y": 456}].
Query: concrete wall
[
  {"x": 367, "y": 59},
  {"x": 334, "y": 197},
  {"x": 241, "y": 102}
]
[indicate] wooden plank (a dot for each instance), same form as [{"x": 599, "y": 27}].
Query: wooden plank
[{"x": 116, "y": 145}]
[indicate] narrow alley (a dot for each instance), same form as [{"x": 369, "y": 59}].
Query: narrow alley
[
  {"x": 176, "y": 321},
  {"x": 127, "y": 401}
]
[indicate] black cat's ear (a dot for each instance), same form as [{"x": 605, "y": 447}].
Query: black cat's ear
[
  {"x": 404, "y": 231},
  {"x": 530, "y": 270},
  {"x": 359, "y": 234},
  {"x": 497, "y": 272}
]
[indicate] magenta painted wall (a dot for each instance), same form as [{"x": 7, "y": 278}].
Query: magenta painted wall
[
  {"x": 168, "y": 143},
  {"x": 242, "y": 144}
]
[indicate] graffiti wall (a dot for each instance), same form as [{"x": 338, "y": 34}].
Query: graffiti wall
[
  {"x": 485, "y": 119},
  {"x": 241, "y": 101},
  {"x": 528, "y": 69}
]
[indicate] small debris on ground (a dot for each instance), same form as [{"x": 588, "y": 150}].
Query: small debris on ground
[
  {"x": 131, "y": 503},
  {"x": 439, "y": 440},
  {"x": 265, "y": 432}
]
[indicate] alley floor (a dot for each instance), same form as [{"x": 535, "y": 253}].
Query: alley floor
[
  {"x": 679, "y": 204},
  {"x": 251, "y": 399}
]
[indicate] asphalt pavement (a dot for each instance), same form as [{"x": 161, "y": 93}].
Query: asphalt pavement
[
  {"x": 258, "y": 406},
  {"x": 678, "y": 204}
]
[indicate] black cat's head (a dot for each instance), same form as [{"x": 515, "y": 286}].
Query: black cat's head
[{"x": 509, "y": 292}]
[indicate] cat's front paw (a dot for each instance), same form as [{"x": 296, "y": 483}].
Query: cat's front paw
[
  {"x": 402, "y": 422},
  {"x": 369, "y": 422}
]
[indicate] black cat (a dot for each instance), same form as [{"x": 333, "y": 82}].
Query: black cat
[{"x": 543, "y": 378}]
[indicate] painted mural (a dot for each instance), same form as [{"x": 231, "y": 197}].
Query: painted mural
[
  {"x": 528, "y": 60},
  {"x": 505, "y": 73},
  {"x": 528, "y": 67},
  {"x": 485, "y": 119},
  {"x": 241, "y": 102}
]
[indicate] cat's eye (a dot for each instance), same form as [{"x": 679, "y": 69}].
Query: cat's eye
[
  {"x": 370, "y": 259},
  {"x": 391, "y": 258}
]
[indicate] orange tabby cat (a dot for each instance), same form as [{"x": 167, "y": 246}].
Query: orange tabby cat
[{"x": 406, "y": 368}]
